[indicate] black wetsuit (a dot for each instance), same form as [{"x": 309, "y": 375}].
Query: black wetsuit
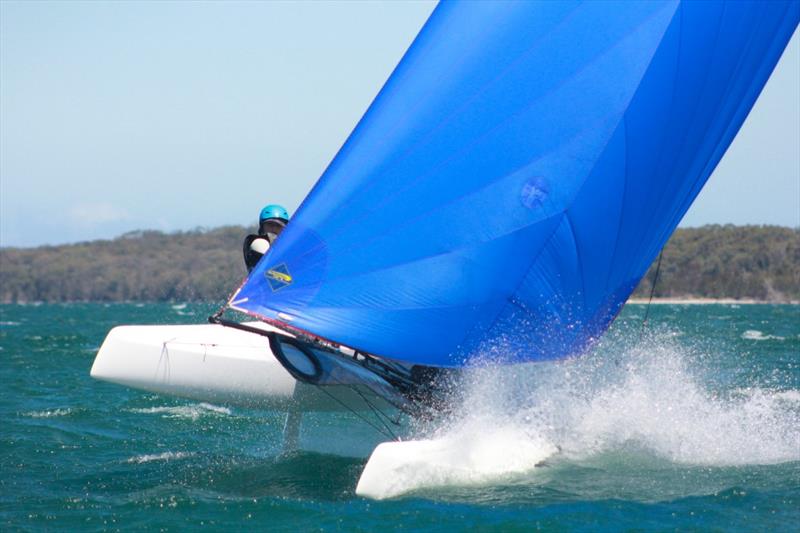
[{"x": 269, "y": 230}]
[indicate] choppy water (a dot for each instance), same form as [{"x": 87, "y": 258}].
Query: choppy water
[{"x": 695, "y": 425}]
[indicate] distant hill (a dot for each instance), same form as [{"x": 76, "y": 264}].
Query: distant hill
[
  {"x": 742, "y": 262},
  {"x": 138, "y": 266}
]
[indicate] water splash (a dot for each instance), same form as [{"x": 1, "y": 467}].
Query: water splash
[
  {"x": 660, "y": 406},
  {"x": 645, "y": 400},
  {"x": 653, "y": 394}
]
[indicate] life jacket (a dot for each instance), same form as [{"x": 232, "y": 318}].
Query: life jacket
[{"x": 269, "y": 230}]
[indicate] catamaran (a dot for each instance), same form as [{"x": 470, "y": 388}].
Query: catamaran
[{"x": 507, "y": 189}]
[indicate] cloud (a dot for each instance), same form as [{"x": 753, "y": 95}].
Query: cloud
[{"x": 99, "y": 213}]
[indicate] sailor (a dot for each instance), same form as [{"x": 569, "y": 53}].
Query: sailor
[{"x": 271, "y": 221}]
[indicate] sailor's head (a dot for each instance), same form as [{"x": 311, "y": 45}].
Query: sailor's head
[{"x": 272, "y": 219}]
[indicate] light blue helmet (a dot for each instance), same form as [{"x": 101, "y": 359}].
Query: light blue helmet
[{"x": 273, "y": 211}]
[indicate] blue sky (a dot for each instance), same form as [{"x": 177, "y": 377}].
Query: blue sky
[{"x": 174, "y": 115}]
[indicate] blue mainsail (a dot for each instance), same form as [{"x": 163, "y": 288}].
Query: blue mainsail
[{"x": 517, "y": 174}]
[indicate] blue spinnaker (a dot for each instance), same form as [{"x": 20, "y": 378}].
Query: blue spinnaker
[{"x": 517, "y": 174}]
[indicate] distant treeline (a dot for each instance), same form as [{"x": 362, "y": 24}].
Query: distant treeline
[
  {"x": 138, "y": 266},
  {"x": 742, "y": 262}
]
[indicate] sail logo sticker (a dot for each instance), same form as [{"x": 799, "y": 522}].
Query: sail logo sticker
[
  {"x": 278, "y": 277},
  {"x": 534, "y": 192}
]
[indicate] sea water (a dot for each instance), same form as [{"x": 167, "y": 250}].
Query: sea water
[{"x": 692, "y": 423}]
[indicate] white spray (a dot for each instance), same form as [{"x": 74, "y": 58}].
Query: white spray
[{"x": 648, "y": 397}]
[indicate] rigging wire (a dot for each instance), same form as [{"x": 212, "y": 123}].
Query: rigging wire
[
  {"x": 652, "y": 290},
  {"x": 380, "y": 415},
  {"x": 364, "y": 419}
]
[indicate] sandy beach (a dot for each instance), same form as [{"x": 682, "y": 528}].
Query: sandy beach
[{"x": 707, "y": 301}]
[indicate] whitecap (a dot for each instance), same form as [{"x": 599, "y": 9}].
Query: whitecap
[
  {"x": 165, "y": 456},
  {"x": 756, "y": 335},
  {"x": 49, "y": 414},
  {"x": 192, "y": 412}
]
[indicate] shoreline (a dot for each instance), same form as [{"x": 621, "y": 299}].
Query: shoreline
[
  {"x": 709, "y": 301},
  {"x": 635, "y": 301}
]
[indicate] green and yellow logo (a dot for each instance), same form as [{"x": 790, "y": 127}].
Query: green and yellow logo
[{"x": 278, "y": 277}]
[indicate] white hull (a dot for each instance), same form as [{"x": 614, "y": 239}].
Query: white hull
[
  {"x": 212, "y": 363},
  {"x": 401, "y": 467}
]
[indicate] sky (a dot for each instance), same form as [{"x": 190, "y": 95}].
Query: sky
[{"x": 122, "y": 116}]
